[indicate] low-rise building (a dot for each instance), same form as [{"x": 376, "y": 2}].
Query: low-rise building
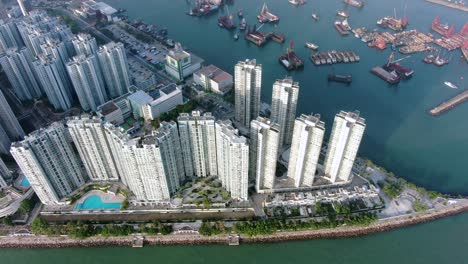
[
  {"x": 164, "y": 100},
  {"x": 213, "y": 79},
  {"x": 138, "y": 102}
]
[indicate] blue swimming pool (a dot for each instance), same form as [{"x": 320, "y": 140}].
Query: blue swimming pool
[
  {"x": 94, "y": 202},
  {"x": 25, "y": 182}
]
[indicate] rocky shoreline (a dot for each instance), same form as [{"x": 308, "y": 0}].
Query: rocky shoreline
[{"x": 341, "y": 232}]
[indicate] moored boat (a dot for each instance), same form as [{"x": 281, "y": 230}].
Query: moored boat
[{"x": 311, "y": 46}]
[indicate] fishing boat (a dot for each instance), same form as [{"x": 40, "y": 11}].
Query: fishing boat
[
  {"x": 240, "y": 13},
  {"x": 243, "y": 25},
  {"x": 342, "y": 13},
  {"x": 451, "y": 85},
  {"x": 315, "y": 17},
  {"x": 297, "y": 2},
  {"x": 236, "y": 36},
  {"x": 311, "y": 46}
]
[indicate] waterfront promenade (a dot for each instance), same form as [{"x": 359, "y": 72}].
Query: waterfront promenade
[{"x": 32, "y": 241}]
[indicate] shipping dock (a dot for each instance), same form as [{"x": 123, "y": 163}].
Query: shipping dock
[
  {"x": 266, "y": 16},
  {"x": 290, "y": 60},
  {"x": 334, "y": 57},
  {"x": 355, "y": 3},
  {"x": 449, "y": 104}
]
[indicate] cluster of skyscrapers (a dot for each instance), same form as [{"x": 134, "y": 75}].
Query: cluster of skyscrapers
[
  {"x": 304, "y": 135},
  {"x": 41, "y": 57},
  {"x": 153, "y": 165}
]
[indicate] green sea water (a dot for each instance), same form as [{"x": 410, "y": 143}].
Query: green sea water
[{"x": 431, "y": 152}]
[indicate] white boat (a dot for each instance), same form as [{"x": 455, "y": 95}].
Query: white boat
[
  {"x": 342, "y": 13},
  {"x": 236, "y": 37},
  {"x": 311, "y": 46},
  {"x": 451, "y": 85},
  {"x": 315, "y": 17}
]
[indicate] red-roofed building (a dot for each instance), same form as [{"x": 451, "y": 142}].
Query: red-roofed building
[{"x": 211, "y": 78}]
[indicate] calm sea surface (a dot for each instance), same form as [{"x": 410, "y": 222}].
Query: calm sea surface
[{"x": 429, "y": 151}]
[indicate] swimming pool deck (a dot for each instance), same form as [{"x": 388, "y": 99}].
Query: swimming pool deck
[{"x": 106, "y": 198}]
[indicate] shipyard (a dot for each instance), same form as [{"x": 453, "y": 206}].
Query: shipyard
[{"x": 290, "y": 60}]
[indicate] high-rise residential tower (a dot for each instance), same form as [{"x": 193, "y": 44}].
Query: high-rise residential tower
[
  {"x": 346, "y": 135},
  {"x": 305, "y": 149},
  {"x": 47, "y": 159},
  {"x": 85, "y": 44},
  {"x": 86, "y": 77},
  {"x": 198, "y": 142},
  {"x": 114, "y": 65},
  {"x": 54, "y": 79},
  {"x": 17, "y": 64},
  {"x": 283, "y": 107},
  {"x": 90, "y": 139},
  {"x": 264, "y": 145},
  {"x": 247, "y": 91},
  {"x": 8, "y": 120},
  {"x": 233, "y": 160},
  {"x": 4, "y": 174}
]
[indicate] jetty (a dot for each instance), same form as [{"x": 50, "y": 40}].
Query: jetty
[{"x": 449, "y": 104}]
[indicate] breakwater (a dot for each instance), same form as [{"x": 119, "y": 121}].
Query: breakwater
[{"x": 340, "y": 232}]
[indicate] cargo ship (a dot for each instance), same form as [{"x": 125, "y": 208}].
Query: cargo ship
[
  {"x": 297, "y": 2},
  {"x": 279, "y": 38},
  {"x": 443, "y": 29},
  {"x": 266, "y": 16},
  {"x": 340, "y": 78},
  {"x": 390, "y": 77},
  {"x": 290, "y": 60},
  {"x": 355, "y": 3},
  {"x": 342, "y": 27},
  {"x": 203, "y": 8},
  {"x": 226, "y": 22}
]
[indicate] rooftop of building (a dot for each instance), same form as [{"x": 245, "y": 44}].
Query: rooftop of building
[
  {"x": 352, "y": 116},
  {"x": 108, "y": 108},
  {"x": 101, "y": 6},
  {"x": 214, "y": 73},
  {"x": 140, "y": 98}
]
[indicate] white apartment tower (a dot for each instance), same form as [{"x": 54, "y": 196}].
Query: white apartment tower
[
  {"x": 54, "y": 79},
  {"x": 264, "y": 145},
  {"x": 346, "y": 135},
  {"x": 305, "y": 149},
  {"x": 4, "y": 174},
  {"x": 198, "y": 141},
  {"x": 85, "y": 44},
  {"x": 233, "y": 160},
  {"x": 22, "y": 7},
  {"x": 247, "y": 91},
  {"x": 114, "y": 65},
  {"x": 8, "y": 121},
  {"x": 47, "y": 159},
  {"x": 87, "y": 80},
  {"x": 90, "y": 139},
  {"x": 144, "y": 170},
  {"x": 283, "y": 107},
  {"x": 168, "y": 141},
  {"x": 17, "y": 64}
]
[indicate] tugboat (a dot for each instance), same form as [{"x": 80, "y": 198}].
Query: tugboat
[
  {"x": 226, "y": 22},
  {"x": 243, "y": 25},
  {"x": 297, "y": 2},
  {"x": 342, "y": 13},
  {"x": 311, "y": 46},
  {"x": 315, "y": 17},
  {"x": 355, "y": 3},
  {"x": 429, "y": 59}
]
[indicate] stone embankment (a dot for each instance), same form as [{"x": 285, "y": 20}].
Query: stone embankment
[{"x": 340, "y": 232}]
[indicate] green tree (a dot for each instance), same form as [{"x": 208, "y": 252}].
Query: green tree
[
  {"x": 7, "y": 221},
  {"x": 25, "y": 206},
  {"x": 39, "y": 226}
]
